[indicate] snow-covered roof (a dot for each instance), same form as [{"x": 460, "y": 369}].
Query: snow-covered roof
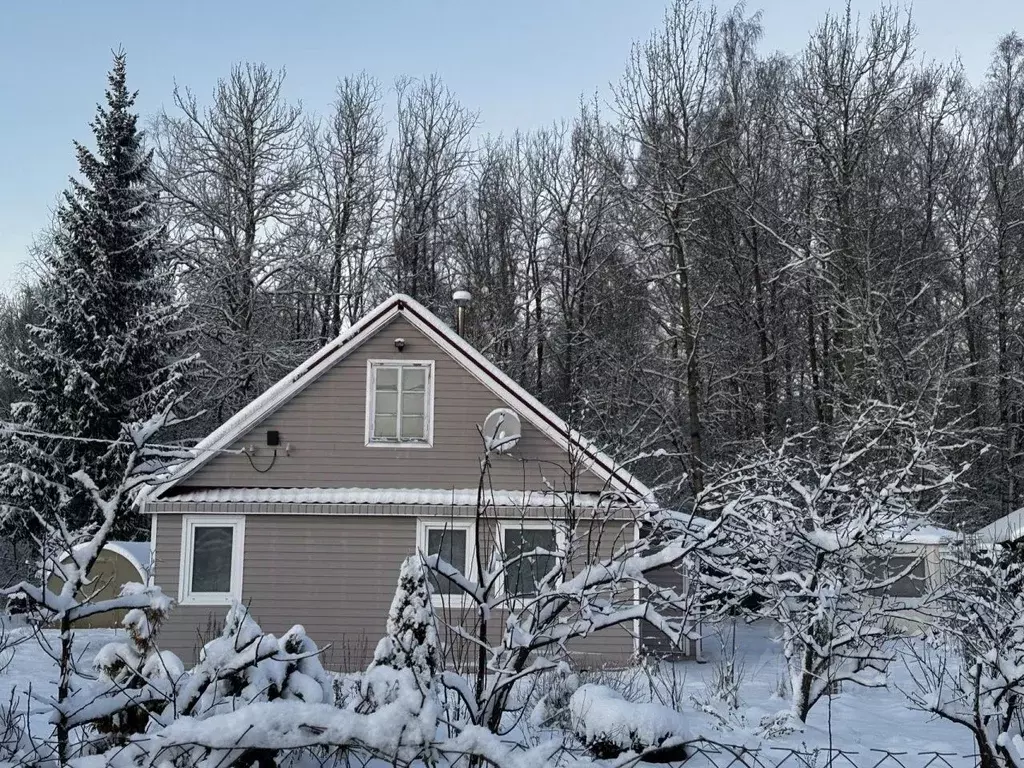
[
  {"x": 928, "y": 534},
  {"x": 528, "y": 406},
  {"x": 1007, "y": 528},
  {"x": 138, "y": 553},
  {"x": 457, "y": 497}
]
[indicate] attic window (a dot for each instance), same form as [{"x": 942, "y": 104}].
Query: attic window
[{"x": 400, "y": 402}]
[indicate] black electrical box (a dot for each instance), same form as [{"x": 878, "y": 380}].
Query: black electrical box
[{"x": 273, "y": 437}]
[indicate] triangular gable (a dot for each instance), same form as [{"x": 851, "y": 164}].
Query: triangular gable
[{"x": 528, "y": 406}]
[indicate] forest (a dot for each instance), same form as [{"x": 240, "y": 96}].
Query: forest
[{"x": 736, "y": 247}]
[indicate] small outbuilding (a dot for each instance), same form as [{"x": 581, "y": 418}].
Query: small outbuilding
[{"x": 118, "y": 563}]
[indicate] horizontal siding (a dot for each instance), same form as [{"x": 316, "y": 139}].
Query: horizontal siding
[
  {"x": 336, "y": 576},
  {"x": 325, "y": 428}
]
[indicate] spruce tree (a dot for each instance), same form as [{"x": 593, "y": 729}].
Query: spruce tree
[
  {"x": 411, "y": 639},
  {"x": 102, "y": 353}
]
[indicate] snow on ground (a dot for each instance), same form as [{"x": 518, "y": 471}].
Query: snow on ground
[
  {"x": 32, "y": 669},
  {"x": 858, "y": 720}
]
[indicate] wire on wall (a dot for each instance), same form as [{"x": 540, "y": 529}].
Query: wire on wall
[{"x": 270, "y": 466}]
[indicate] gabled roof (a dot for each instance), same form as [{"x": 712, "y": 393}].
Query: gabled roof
[{"x": 528, "y": 406}]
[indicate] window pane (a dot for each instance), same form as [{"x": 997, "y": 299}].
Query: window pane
[
  {"x": 387, "y": 403},
  {"x": 412, "y": 428},
  {"x": 521, "y": 576},
  {"x": 387, "y": 379},
  {"x": 414, "y": 379},
  {"x": 914, "y": 584},
  {"x": 451, "y": 546},
  {"x": 385, "y": 427},
  {"x": 412, "y": 403},
  {"x": 211, "y": 559}
]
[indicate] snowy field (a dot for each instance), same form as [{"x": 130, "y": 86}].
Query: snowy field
[
  {"x": 868, "y": 722},
  {"x": 858, "y": 720},
  {"x": 31, "y": 667}
]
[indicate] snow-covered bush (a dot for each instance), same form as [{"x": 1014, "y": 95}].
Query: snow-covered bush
[
  {"x": 135, "y": 665},
  {"x": 14, "y": 738},
  {"x": 552, "y": 710},
  {"x": 147, "y": 704},
  {"x": 727, "y": 672},
  {"x": 10, "y": 639},
  {"x": 245, "y": 665},
  {"x": 609, "y": 725}
]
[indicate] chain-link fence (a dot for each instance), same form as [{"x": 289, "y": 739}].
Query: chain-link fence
[{"x": 720, "y": 755}]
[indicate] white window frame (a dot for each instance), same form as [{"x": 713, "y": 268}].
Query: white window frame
[
  {"x": 189, "y": 523},
  {"x": 371, "y": 396},
  {"x": 528, "y": 524},
  {"x": 423, "y": 525},
  {"x": 921, "y": 554}
]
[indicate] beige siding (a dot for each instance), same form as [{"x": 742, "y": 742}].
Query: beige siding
[
  {"x": 325, "y": 428},
  {"x": 333, "y": 574}
]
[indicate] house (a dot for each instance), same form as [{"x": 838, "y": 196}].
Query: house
[
  {"x": 304, "y": 503},
  {"x": 118, "y": 563}
]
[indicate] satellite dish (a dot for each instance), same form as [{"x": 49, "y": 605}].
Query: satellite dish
[{"x": 501, "y": 430}]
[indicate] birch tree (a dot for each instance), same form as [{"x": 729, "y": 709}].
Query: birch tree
[
  {"x": 345, "y": 194},
  {"x": 231, "y": 175}
]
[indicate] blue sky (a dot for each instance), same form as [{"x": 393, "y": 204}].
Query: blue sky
[{"x": 521, "y": 63}]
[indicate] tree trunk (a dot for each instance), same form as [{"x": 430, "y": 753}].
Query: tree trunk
[
  {"x": 767, "y": 377},
  {"x": 67, "y": 663},
  {"x": 692, "y": 372}
]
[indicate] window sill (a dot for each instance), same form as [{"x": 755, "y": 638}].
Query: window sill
[
  {"x": 211, "y": 599},
  {"x": 397, "y": 444}
]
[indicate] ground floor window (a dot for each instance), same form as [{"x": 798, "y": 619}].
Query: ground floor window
[
  {"x": 211, "y": 559},
  {"x": 453, "y": 542},
  {"x": 530, "y": 550}
]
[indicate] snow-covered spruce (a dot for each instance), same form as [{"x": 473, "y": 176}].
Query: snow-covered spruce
[
  {"x": 102, "y": 353},
  {"x": 411, "y": 639},
  {"x": 609, "y": 725},
  {"x": 410, "y": 643}
]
